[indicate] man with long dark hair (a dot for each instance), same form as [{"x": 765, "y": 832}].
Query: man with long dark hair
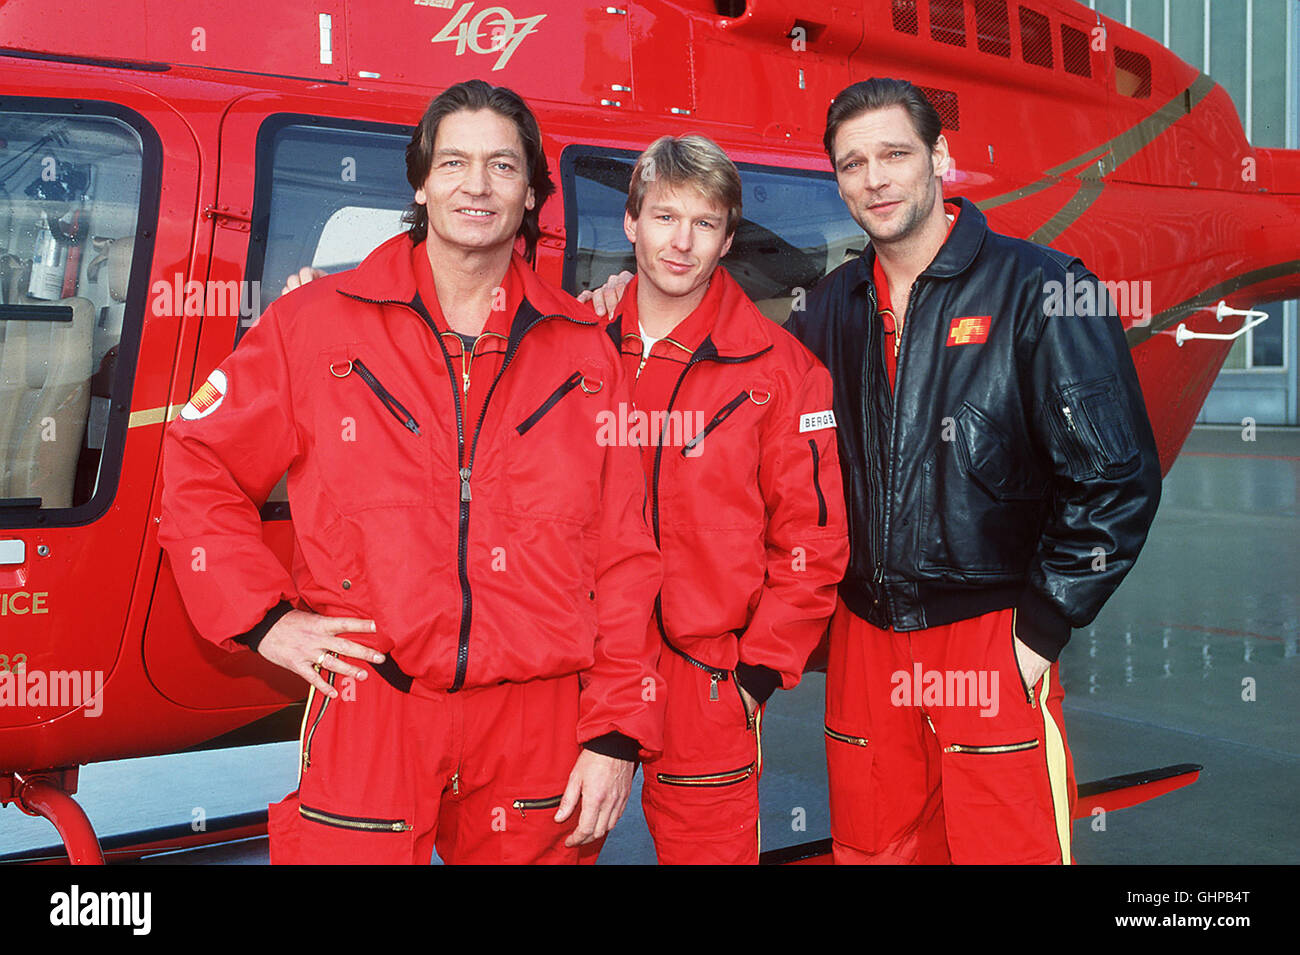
[{"x": 473, "y": 573}]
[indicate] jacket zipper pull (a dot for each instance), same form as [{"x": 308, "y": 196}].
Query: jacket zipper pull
[
  {"x": 713, "y": 687},
  {"x": 1069, "y": 418},
  {"x": 455, "y": 783},
  {"x": 464, "y": 484},
  {"x": 466, "y": 362}
]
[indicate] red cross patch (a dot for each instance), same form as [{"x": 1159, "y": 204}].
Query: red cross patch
[{"x": 970, "y": 330}]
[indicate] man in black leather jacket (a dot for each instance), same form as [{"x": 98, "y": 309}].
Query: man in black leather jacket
[{"x": 1000, "y": 474}]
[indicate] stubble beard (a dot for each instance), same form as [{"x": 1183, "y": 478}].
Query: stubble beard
[{"x": 916, "y": 216}]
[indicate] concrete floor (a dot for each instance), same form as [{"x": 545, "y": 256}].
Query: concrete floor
[{"x": 1157, "y": 679}]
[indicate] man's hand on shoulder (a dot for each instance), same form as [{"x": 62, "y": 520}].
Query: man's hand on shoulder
[
  {"x": 602, "y": 784},
  {"x": 306, "y": 643},
  {"x": 605, "y": 298},
  {"x": 304, "y": 275}
]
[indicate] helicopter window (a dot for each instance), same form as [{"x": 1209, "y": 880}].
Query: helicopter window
[
  {"x": 945, "y": 104},
  {"x": 70, "y": 209},
  {"x": 327, "y": 193},
  {"x": 1132, "y": 73},
  {"x": 1074, "y": 51},
  {"x": 904, "y": 12},
  {"x": 794, "y": 229},
  {"x": 325, "y": 196},
  {"x": 993, "y": 27},
  {"x": 948, "y": 22},
  {"x": 352, "y": 228},
  {"x": 1035, "y": 38}
]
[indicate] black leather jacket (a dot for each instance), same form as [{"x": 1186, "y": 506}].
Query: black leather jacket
[{"x": 1020, "y": 471}]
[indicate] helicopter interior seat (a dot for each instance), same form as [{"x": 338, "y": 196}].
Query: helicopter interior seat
[
  {"x": 113, "y": 260},
  {"x": 777, "y": 309},
  {"x": 838, "y": 251},
  {"x": 44, "y": 392},
  {"x": 11, "y": 275}
]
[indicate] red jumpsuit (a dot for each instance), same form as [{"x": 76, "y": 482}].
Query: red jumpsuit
[
  {"x": 465, "y": 505},
  {"x": 748, "y": 511}
]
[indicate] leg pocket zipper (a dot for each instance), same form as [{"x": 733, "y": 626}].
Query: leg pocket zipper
[
  {"x": 1015, "y": 662},
  {"x": 845, "y": 738},
  {"x": 523, "y": 805},
  {"x": 353, "y": 822},
  {"x": 306, "y": 749},
  {"x": 708, "y": 779},
  {"x": 1002, "y": 748}
]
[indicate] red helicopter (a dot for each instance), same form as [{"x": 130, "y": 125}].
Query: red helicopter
[{"x": 164, "y": 167}]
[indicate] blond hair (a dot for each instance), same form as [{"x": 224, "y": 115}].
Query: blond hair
[{"x": 692, "y": 160}]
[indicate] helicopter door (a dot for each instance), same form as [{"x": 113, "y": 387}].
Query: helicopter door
[
  {"x": 82, "y": 363},
  {"x": 297, "y": 189}
]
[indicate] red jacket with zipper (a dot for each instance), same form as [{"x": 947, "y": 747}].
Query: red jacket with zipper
[
  {"x": 502, "y": 545},
  {"x": 746, "y": 502}
]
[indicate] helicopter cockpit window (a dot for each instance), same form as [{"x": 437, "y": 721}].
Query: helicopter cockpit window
[
  {"x": 70, "y": 188},
  {"x": 326, "y": 195},
  {"x": 793, "y": 231}
]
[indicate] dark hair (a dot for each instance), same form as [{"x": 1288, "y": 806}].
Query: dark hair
[
  {"x": 878, "y": 93},
  {"x": 475, "y": 95}
]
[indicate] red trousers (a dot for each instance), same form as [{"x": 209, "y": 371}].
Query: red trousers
[
  {"x": 387, "y": 776},
  {"x": 701, "y": 796},
  {"x": 937, "y": 752}
]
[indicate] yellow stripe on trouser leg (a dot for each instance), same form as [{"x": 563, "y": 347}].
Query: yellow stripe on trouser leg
[{"x": 1056, "y": 775}]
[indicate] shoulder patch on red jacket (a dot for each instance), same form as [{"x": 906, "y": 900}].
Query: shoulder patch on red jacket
[
  {"x": 816, "y": 421},
  {"x": 208, "y": 398},
  {"x": 970, "y": 330}
]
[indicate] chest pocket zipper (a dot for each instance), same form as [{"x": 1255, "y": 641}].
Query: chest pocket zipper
[
  {"x": 722, "y": 415},
  {"x": 395, "y": 407},
  {"x": 569, "y": 384}
]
